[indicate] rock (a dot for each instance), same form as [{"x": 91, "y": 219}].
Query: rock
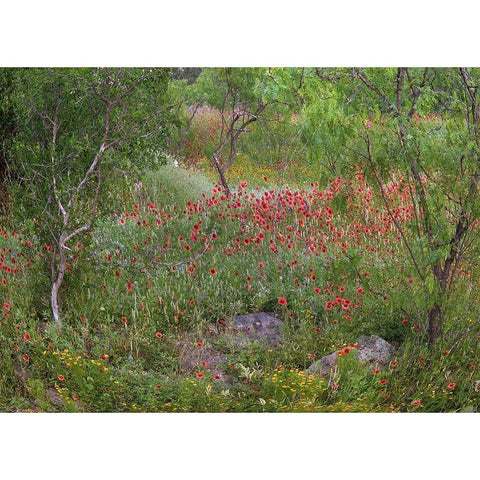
[
  {"x": 372, "y": 350},
  {"x": 323, "y": 366},
  {"x": 258, "y": 326},
  {"x": 21, "y": 374},
  {"x": 53, "y": 397},
  {"x": 191, "y": 357}
]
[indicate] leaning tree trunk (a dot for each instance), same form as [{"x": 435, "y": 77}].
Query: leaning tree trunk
[
  {"x": 221, "y": 174},
  {"x": 62, "y": 268}
]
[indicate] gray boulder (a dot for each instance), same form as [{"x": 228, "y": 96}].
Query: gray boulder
[
  {"x": 258, "y": 326},
  {"x": 372, "y": 350}
]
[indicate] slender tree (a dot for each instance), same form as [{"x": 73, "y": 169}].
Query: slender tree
[{"x": 76, "y": 127}]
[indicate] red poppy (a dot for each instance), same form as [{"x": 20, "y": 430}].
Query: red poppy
[
  {"x": 199, "y": 344},
  {"x": 26, "y": 357},
  {"x": 260, "y": 264},
  {"x": 451, "y": 385},
  {"x": 199, "y": 375},
  {"x": 394, "y": 363},
  {"x": 61, "y": 378},
  {"x": 159, "y": 335},
  {"x": 282, "y": 301},
  {"x": 26, "y": 337},
  {"x": 383, "y": 381},
  {"x": 216, "y": 377},
  {"x": 213, "y": 271},
  {"x": 376, "y": 372},
  {"x": 158, "y": 387},
  {"x": 404, "y": 321}
]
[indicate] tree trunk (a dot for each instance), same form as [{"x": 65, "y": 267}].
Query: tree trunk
[
  {"x": 435, "y": 323},
  {"x": 221, "y": 173},
  {"x": 62, "y": 267}
]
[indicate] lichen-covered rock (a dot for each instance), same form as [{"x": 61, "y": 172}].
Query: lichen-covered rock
[
  {"x": 323, "y": 366},
  {"x": 258, "y": 326},
  {"x": 372, "y": 350}
]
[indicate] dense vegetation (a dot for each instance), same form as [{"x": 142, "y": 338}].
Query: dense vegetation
[{"x": 142, "y": 209}]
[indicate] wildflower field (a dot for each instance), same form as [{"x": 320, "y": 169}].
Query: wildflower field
[
  {"x": 330, "y": 245},
  {"x": 168, "y": 273}
]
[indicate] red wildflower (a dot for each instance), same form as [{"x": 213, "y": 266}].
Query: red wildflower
[
  {"x": 158, "y": 387},
  {"x": 204, "y": 363},
  {"x": 260, "y": 264},
  {"x": 199, "y": 344},
  {"x": 404, "y": 321},
  {"x": 124, "y": 320},
  {"x": 61, "y": 378},
  {"x": 394, "y": 363},
  {"x": 26, "y": 357},
  {"x": 213, "y": 271},
  {"x": 26, "y": 337},
  {"x": 159, "y": 335},
  {"x": 216, "y": 377},
  {"x": 282, "y": 301},
  {"x": 311, "y": 356},
  {"x": 199, "y": 375},
  {"x": 376, "y": 372},
  {"x": 416, "y": 402},
  {"x": 383, "y": 381},
  {"x": 451, "y": 385}
]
